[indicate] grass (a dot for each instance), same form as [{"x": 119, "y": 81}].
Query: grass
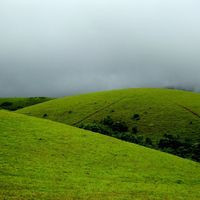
[
  {"x": 41, "y": 159},
  {"x": 20, "y": 102},
  {"x": 162, "y": 111}
]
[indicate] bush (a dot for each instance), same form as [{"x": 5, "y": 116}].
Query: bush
[
  {"x": 6, "y": 105},
  {"x": 169, "y": 141},
  {"x": 185, "y": 148},
  {"x": 148, "y": 142},
  {"x": 119, "y": 126},
  {"x": 107, "y": 121},
  {"x": 140, "y": 140},
  {"x": 126, "y": 137},
  {"x": 136, "y": 117},
  {"x": 196, "y": 152},
  {"x": 135, "y": 130},
  {"x": 94, "y": 127}
]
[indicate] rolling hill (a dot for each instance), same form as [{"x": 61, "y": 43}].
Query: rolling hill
[
  {"x": 161, "y": 110},
  {"x": 20, "y": 102},
  {"x": 41, "y": 159},
  {"x": 150, "y": 113}
]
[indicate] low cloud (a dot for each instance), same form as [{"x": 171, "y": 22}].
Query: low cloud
[{"x": 58, "y": 47}]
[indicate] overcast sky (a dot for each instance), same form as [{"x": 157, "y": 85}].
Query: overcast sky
[{"x": 62, "y": 47}]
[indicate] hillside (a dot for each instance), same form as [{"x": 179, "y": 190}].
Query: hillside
[
  {"x": 41, "y": 159},
  {"x": 20, "y": 102},
  {"x": 150, "y": 113}
]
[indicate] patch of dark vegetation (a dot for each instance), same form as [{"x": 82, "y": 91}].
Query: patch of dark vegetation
[
  {"x": 117, "y": 129},
  {"x": 148, "y": 142},
  {"x": 119, "y": 126},
  {"x": 70, "y": 111},
  {"x": 179, "y": 182},
  {"x": 183, "y": 148},
  {"x": 6, "y": 105},
  {"x": 135, "y": 130},
  {"x": 136, "y": 117},
  {"x": 18, "y": 107},
  {"x": 19, "y": 103},
  {"x": 95, "y": 127},
  {"x": 108, "y": 121},
  {"x": 168, "y": 143},
  {"x": 45, "y": 115}
]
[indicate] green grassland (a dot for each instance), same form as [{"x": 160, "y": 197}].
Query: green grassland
[
  {"x": 20, "y": 102},
  {"x": 162, "y": 111},
  {"x": 42, "y": 159}
]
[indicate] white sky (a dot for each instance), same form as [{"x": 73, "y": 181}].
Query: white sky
[{"x": 60, "y": 47}]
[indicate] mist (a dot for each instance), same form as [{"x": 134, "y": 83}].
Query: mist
[{"x": 59, "y": 47}]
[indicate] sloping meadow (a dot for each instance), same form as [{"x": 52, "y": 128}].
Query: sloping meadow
[
  {"x": 162, "y": 119},
  {"x": 41, "y": 159}
]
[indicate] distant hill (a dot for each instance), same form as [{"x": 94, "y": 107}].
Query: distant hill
[
  {"x": 13, "y": 104},
  {"x": 150, "y": 115},
  {"x": 41, "y": 159}
]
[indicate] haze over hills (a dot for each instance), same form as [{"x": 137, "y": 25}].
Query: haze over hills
[
  {"x": 41, "y": 159},
  {"x": 89, "y": 45}
]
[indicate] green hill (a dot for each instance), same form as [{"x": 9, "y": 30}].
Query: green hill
[
  {"x": 20, "y": 102},
  {"x": 150, "y": 113},
  {"x": 41, "y": 159}
]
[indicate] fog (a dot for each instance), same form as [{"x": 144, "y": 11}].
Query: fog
[{"x": 63, "y": 47}]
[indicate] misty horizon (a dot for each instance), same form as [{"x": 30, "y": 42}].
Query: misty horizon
[{"x": 58, "y": 48}]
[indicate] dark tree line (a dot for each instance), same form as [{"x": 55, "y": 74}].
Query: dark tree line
[{"x": 168, "y": 143}]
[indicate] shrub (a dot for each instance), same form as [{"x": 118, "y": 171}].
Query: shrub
[
  {"x": 196, "y": 152},
  {"x": 45, "y": 115},
  {"x": 184, "y": 148},
  {"x": 6, "y": 105},
  {"x": 119, "y": 126},
  {"x": 148, "y": 142},
  {"x": 135, "y": 130},
  {"x": 169, "y": 141},
  {"x": 140, "y": 140},
  {"x": 19, "y": 107},
  {"x": 136, "y": 117},
  {"x": 127, "y": 137},
  {"x": 107, "y": 121},
  {"x": 98, "y": 128}
]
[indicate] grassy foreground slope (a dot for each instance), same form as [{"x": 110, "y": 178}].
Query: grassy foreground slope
[
  {"x": 161, "y": 111},
  {"x": 20, "y": 102},
  {"x": 41, "y": 159}
]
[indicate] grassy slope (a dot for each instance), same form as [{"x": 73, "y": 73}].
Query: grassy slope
[
  {"x": 161, "y": 110},
  {"x": 41, "y": 159},
  {"x": 20, "y": 102}
]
